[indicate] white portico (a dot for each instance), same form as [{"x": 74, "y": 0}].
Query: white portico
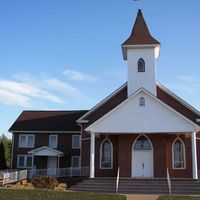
[{"x": 153, "y": 117}]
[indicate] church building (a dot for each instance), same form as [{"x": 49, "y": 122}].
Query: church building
[{"x": 142, "y": 128}]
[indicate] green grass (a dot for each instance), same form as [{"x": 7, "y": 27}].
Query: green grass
[
  {"x": 179, "y": 198},
  {"x": 19, "y": 194}
]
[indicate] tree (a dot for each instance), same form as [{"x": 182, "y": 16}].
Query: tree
[
  {"x": 7, "y": 143},
  {"x": 2, "y": 157}
]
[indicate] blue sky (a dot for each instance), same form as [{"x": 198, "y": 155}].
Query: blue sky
[{"x": 67, "y": 54}]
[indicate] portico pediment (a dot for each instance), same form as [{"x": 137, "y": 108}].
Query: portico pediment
[{"x": 153, "y": 117}]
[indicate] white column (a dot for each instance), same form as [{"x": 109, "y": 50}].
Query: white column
[
  {"x": 92, "y": 155},
  {"x": 194, "y": 156}
]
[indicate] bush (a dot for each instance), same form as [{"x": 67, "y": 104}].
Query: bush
[
  {"x": 45, "y": 182},
  {"x": 20, "y": 186},
  {"x": 60, "y": 187}
]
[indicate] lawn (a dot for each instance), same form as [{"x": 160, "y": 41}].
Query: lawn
[
  {"x": 19, "y": 194},
  {"x": 179, "y": 198}
]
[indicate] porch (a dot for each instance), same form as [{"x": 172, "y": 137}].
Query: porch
[
  {"x": 60, "y": 172},
  {"x": 144, "y": 155}
]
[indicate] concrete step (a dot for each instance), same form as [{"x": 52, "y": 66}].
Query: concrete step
[{"x": 138, "y": 186}]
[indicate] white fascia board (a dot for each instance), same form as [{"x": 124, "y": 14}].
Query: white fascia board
[
  {"x": 177, "y": 98},
  {"x": 140, "y": 46},
  {"x": 89, "y": 128},
  {"x": 47, "y": 148},
  {"x": 80, "y": 120}
]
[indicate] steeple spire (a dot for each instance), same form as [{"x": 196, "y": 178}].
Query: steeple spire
[{"x": 140, "y": 34}]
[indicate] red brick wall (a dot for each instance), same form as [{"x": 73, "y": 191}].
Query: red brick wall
[
  {"x": 64, "y": 145},
  {"x": 162, "y": 149}
]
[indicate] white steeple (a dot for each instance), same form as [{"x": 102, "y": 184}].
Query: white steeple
[{"x": 141, "y": 51}]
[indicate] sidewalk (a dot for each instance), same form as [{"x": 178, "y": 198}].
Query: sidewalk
[{"x": 141, "y": 197}]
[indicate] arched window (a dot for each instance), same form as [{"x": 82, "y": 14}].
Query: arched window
[
  {"x": 106, "y": 154},
  {"x": 142, "y": 143},
  {"x": 142, "y": 101},
  {"x": 178, "y": 150},
  {"x": 141, "y": 65}
]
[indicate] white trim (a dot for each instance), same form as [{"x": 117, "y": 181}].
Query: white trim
[
  {"x": 25, "y": 161},
  {"x": 178, "y": 98},
  {"x": 106, "y": 139},
  {"x": 198, "y": 120},
  {"x": 140, "y": 46},
  {"x": 89, "y": 128},
  {"x": 132, "y": 152},
  {"x": 92, "y": 156},
  {"x": 26, "y": 145},
  {"x": 56, "y": 145},
  {"x": 184, "y": 154},
  {"x": 73, "y": 138},
  {"x": 72, "y": 161},
  {"x": 59, "y": 153},
  {"x": 80, "y": 120},
  {"x": 194, "y": 156}
]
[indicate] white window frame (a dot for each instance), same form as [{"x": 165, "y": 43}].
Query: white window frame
[
  {"x": 54, "y": 147},
  {"x": 184, "y": 155},
  {"x": 25, "y": 161},
  {"x": 26, "y": 145},
  {"x": 101, "y": 146},
  {"x": 73, "y": 136},
  {"x": 72, "y": 161}
]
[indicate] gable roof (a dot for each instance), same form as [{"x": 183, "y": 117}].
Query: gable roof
[
  {"x": 143, "y": 119},
  {"x": 47, "y": 121},
  {"x": 120, "y": 95},
  {"x": 140, "y": 34},
  {"x": 45, "y": 151}
]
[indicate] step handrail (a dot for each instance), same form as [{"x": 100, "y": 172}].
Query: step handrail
[
  {"x": 117, "y": 180},
  {"x": 169, "y": 182}
]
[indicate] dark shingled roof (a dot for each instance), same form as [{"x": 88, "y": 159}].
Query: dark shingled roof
[
  {"x": 47, "y": 121},
  {"x": 140, "y": 34}
]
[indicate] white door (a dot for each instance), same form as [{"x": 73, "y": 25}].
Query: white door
[
  {"x": 51, "y": 165},
  {"x": 142, "y": 158},
  {"x": 142, "y": 164}
]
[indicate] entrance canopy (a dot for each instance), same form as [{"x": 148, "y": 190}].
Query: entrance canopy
[
  {"x": 143, "y": 113},
  {"x": 45, "y": 151}
]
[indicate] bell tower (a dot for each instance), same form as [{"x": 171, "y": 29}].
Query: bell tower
[{"x": 141, "y": 51}]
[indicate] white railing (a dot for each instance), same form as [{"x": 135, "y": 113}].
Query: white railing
[
  {"x": 117, "y": 180},
  {"x": 11, "y": 177},
  {"x": 169, "y": 182},
  {"x": 59, "y": 172}
]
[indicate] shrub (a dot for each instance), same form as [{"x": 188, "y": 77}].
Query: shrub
[
  {"x": 60, "y": 187},
  {"x": 45, "y": 182},
  {"x": 20, "y": 186}
]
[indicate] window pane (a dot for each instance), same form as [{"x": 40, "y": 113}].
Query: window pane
[
  {"x": 53, "y": 141},
  {"x": 142, "y": 143},
  {"x": 76, "y": 141},
  {"x": 30, "y": 142},
  {"x": 75, "y": 162},
  {"x": 21, "y": 161},
  {"x": 22, "y": 141},
  {"x": 106, "y": 155},
  {"x": 178, "y": 155},
  {"x": 141, "y": 65},
  {"x": 29, "y": 161}
]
